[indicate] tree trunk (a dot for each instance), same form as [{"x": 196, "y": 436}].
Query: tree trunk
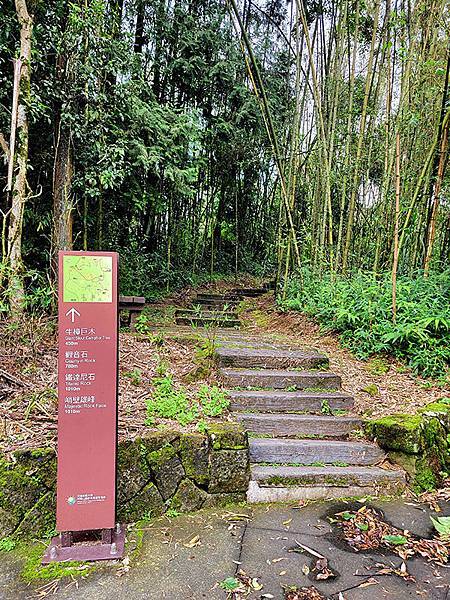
[
  {"x": 139, "y": 29},
  {"x": 397, "y": 214},
  {"x": 19, "y": 160},
  {"x": 62, "y": 178}
]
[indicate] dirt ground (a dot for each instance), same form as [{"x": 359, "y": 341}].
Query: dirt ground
[{"x": 380, "y": 386}]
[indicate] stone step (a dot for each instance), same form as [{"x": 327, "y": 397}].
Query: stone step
[
  {"x": 267, "y": 358},
  {"x": 307, "y": 452},
  {"x": 298, "y": 425},
  {"x": 279, "y": 402},
  {"x": 280, "y": 379},
  {"x": 287, "y": 484},
  {"x": 205, "y": 322},
  {"x": 251, "y": 292},
  {"x": 222, "y": 297},
  {"x": 281, "y": 476},
  {"x": 209, "y": 314},
  {"x": 219, "y": 302}
]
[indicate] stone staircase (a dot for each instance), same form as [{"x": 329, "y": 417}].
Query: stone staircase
[
  {"x": 217, "y": 310},
  {"x": 305, "y": 441}
]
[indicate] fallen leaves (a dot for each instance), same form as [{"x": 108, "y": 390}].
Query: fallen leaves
[
  {"x": 433, "y": 498},
  {"x": 304, "y": 593},
  {"x": 320, "y": 567},
  {"x": 241, "y": 586},
  {"x": 195, "y": 541},
  {"x": 368, "y": 583},
  {"x": 322, "y": 571},
  {"x": 402, "y": 572},
  {"x": 365, "y": 529}
]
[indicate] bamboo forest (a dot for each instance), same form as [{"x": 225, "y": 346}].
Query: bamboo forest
[{"x": 224, "y": 299}]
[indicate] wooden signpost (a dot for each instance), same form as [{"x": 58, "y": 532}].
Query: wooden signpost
[{"x": 87, "y": 409}]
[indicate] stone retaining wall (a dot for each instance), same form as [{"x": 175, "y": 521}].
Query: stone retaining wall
[
  {"x": 163, "y": 470},
  {"x": 420, "y": 443}
]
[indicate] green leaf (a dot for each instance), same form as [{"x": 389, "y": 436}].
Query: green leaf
[
  {"x": 230, "y": 584},
  {"x": 396, "y": 540},
  {"x": 362, "y": 526},
  {"x": 347, "y": 516},
  {"x": 442, "y": 526}
]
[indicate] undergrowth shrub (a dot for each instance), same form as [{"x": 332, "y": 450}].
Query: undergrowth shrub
[
  {"x": 360, "y": 308},
  {"x": 172, "y": 401}
]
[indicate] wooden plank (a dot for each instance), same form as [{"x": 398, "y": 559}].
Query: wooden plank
[
  {"x": 215, "y": 302},
  {"x": 277, "y": 401},
  {"x": 217, "y": 314},
  {"x": 207, "y": 322},
  {"x": 131, "y": 302},
  {"x": 267, "y": 358},
  {"x": 249, "y": 291},
  {"x": 222, "y": 297},
  {"x": 298, "y": 425},
  {"x": 305, "y": 452},
  {"x": 280, "y": 379},
  {"x": 282, "y": 475}
]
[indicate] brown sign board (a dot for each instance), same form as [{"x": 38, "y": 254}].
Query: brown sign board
[{"x": 87, "y": 391}]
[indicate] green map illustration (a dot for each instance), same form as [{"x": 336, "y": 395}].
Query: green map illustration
[{"x": 87, "y": 278}]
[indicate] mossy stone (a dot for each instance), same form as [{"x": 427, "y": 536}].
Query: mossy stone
[
  {"x": 20, "y": 490},
  {"x": 194, "y": 451},
  {"x": 40, "y": 462},
  {"x": 406, "y": 461},
  {"x": 167, "y": 470},
  {"x": 158, "y": 458},
  {"x": 147, "y": 503},
  {"x": 441, "y": 410},
  {"x": 230, "y": 471},
  {"x": 227, "y": 436},
  {"x": 425, "y": 478},
  {"x": 397, "y": 432},
  {"x": 436, "y": 449},
  {"x": 40, "y": 520},
  {"x": 222, "y": 500},
  {"x": 188, "y": 497},
  {"x": 133, "y": 472},
  {"x": 154, "y": 440}
]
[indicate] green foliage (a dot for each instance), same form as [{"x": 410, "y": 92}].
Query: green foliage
[
  {"x": 135, "y": 376},
  {"x": 206, "y": 349},
  {"x": 202, "y": 426},
  {"x": 212, "y": 400},
  {"x": 168, "y": 402},
  {"x": 229, "y": 584},
  {"x": 171, "y": 401},
  {"x": 442, "y": 526},
  {"x": 325, "y": 408},
  {"x": 371, "y": 389},
  {"x": 377, "y": 366},
  {"x": 395, "y": 540},
  {"x": 7, "y": 544},
  {"x": 359, "y": 308}
]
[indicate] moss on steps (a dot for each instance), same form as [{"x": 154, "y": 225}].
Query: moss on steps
[
  {"x": 155, "y": 471},
  {"x": 418, "y": 443}
]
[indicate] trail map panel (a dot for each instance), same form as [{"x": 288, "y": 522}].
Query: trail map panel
[
  {"x": 87, "y": 391},
  {"x": 87, "y": 278}
]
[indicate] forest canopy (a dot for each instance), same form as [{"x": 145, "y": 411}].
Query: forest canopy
[{"x": 206, "y": 136}]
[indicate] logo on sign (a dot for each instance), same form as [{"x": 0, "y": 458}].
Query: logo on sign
[{"x": 71, "y": 500}]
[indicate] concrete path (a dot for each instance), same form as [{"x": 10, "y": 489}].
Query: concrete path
[{"x": 168, "y": 566}]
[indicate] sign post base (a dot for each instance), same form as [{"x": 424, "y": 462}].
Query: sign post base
[{"x": 102, "y": 544}]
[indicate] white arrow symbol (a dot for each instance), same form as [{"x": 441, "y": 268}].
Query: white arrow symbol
[{"x": 72, "y": 312}]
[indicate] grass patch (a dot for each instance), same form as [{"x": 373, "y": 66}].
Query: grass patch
[{"x": 359, "y": 309}]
